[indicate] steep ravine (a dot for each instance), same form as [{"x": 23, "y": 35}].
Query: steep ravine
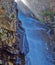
[
  {"x": 37, "y": 43},
  {"x": 37, "y": 37}
]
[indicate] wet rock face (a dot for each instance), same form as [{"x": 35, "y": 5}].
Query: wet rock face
[{"x": 35, "y": 6}]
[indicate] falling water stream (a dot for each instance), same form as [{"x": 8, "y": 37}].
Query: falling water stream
[{"x": 36, "y": 42}]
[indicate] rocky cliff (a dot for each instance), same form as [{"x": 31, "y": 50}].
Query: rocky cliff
[{"x": 35, "y": 6}]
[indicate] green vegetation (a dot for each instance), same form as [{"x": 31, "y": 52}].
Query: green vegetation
[
  {"x": 48, "y": 16},
  {"x": 48, "y": 12},
  {"x": 1, "y": 35}
]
